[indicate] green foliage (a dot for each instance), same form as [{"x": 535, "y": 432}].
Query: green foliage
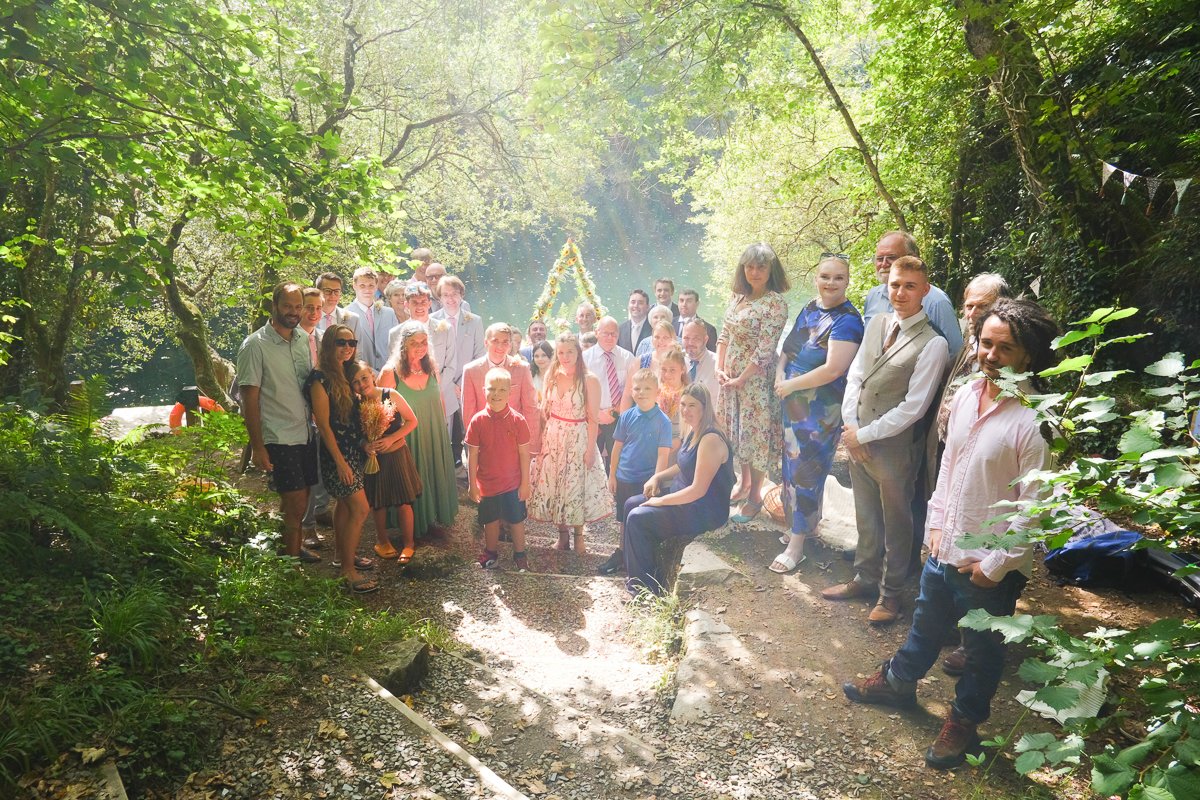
[
  {"x": 1148, "y": 477},
  {"x": 140, "y": 595}
]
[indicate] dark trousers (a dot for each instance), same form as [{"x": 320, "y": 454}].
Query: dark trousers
[
  {"x": 645, "y": 528},
  {"x": 604, "y": 440},
  {"x": 946, "y": 597},
  {"x": 457, "y": 431}
]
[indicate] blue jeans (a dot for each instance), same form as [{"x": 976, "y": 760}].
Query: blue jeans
[{"x": 946, "y": 596}]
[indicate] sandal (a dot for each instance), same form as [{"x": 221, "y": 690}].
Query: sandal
[
  {"x": 406, "y": 555},
  {"x": 363, "y": 586},
  {"x": 385, "y": 550},
  {"x": 783, "y": 563},
  {"x": 365, "y": 564},
  {"x": 744, "y": 515}
]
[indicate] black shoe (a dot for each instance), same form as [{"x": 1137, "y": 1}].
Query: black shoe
[{"x": 615, "y": 564}]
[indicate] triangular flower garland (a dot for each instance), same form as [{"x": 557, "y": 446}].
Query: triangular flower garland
[{"x": 570, "y": 260}]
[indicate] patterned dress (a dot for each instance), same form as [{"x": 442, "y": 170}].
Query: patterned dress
[
  {"x": 812, "y": 418},
  {"x": 565, "y": 492},
  {"x": 348, "y": 434},
  {"x": 751, "y": 413},
  {"x": 430, "y": 448}
]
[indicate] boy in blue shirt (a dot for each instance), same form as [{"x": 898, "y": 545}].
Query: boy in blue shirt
[{"x": 641, "y": 448}]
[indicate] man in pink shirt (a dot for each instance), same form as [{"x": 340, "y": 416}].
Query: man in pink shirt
[
  {"x": 992, "y": 444},
  {"x": 522, "y": 396}
]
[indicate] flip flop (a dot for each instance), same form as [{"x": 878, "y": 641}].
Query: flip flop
[
  {"x": 786, "y": 562},
  {"x": 406, "y": 555},
  {"x": 742, "y": 516},
  {"x": 363, "y": 563},
  {"x": 363, "y": 586},
  {"x": 308, "y": 557}
]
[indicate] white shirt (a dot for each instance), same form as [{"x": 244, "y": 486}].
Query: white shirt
[
  {"x": 597, "y": 364},
  {"x": 925, "y": 382},
  {"x": 984, "y": 455},
  {"x": 706, "y": 372}
]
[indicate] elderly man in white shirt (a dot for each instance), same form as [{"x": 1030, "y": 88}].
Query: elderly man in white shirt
[
  {"x": 609, "y": 362},
  {"x": 891, "y": 383},
  {"x": 993, "y": 444}
]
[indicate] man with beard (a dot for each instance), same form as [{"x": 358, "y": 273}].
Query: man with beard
[{"x": 272, "y": 365}]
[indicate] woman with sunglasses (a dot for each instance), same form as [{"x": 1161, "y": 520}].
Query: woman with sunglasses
[
  {"x": 810, "y": 380},
  {"x": 335, "y": 411}
]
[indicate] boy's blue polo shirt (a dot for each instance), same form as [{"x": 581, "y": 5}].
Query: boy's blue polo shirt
[{"x": 641, "y": 434}]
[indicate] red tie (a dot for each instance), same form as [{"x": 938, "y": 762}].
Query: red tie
[{"x": 614, "y": 387}]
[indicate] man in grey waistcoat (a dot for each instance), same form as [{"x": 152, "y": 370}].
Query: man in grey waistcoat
[{"x": 891, "y": 383}]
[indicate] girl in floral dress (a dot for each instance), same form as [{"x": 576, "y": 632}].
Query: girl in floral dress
[
  {"x": 747, "y": 406},
  {"x": 571, "y": 488},
  {"x": 397, "y": 484}
]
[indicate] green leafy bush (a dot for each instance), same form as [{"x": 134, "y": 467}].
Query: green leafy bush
[
  {"x": 1150, "y": 478},
  {"x": 141, "y": 599}
]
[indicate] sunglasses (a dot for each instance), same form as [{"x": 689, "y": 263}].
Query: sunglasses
[
  {"x": 838, "y": 256},
  {"x": 346, "y": 342}
]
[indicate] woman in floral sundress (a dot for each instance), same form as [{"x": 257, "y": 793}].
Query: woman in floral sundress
[
  {"x": 570, "y": 488},
  {"x": 747, "y": 406}
]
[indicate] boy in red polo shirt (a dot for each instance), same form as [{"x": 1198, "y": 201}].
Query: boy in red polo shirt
[{"x": 497, "y": 441}]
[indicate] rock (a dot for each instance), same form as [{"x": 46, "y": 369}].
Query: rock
[
  {"x": 405, "y": 666},
  {"x": 702, "y": 567}
]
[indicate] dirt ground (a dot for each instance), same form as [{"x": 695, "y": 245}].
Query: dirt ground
[{"x": 548, "y": 685}]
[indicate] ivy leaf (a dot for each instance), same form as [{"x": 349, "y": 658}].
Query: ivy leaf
[
  {"x": 1110, "y": 777},
  {"x": 1168, "y": 366},
  {"x": 1028, "y": 761},
  {"x": 1138, "y": 440},
  {"x": 1035, "y": 741},
  {"x": 1076, "y": 364},
  {"x": 1036, "y": 671},
  {"x": 1057, "y": 697}
]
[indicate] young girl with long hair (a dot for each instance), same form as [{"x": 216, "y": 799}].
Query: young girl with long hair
[{"x": 570, "y": 488}]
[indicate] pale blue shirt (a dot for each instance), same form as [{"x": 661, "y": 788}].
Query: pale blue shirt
[
  {"x": 278, "y": 367},
  {"x": 937, "y": 307}
]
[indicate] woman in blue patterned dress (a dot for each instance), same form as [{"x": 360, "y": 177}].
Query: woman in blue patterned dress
[{"x": 810, "y": 380}]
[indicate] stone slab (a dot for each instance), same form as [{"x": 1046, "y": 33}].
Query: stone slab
[
  {"x": 702, "y": 567},
  {"x": 406, "y": 664},
  {"x": 704, "y": 669}
]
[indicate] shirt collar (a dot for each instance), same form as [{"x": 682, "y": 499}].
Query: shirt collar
[{"x": 908, "y": 323}]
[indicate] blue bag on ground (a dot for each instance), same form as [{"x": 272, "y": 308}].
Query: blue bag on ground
[{"x": 1104, "y": 558}]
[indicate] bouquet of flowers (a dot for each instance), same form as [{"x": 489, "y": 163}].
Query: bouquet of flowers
[{"x": 376, "y": 416}]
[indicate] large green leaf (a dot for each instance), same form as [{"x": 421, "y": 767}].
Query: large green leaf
[{"x": 1110, "y": 777}]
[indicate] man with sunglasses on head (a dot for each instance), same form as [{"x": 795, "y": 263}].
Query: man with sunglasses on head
[{"x": 272, "y": 365}]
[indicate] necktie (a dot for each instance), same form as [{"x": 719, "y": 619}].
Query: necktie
[
  {"x": 312, "y": 347},
  {"x": 692, "y": 371},
  {"x": 328, "y": 320},
  {"x": 891, "y": 339},
  {"x": 371, "y": 318},
  {"x": 614, "y": 386},
  {"x": 454, "y": 326}
]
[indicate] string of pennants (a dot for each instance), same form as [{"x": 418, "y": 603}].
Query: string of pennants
[{"x": 1127, "y": 178}]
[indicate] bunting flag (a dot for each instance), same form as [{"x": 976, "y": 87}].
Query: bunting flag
[
  {"x": 1128, "y": 178},
  {"x": 1152, "y": 185},
  {"x": 1181, "y": 186},
  {"x": 1106, "y": 170}
]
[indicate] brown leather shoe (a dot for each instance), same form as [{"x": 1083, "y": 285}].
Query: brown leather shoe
[
  {"x": 848, "y": 591},
  {"x": 876, "y": 690},
  {"x": 950, "y": 748},
  {"x": 955, "y": 663},
  {"x": 885, "y": 612}
]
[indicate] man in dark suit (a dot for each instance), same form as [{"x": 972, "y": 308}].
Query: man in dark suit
[
  {"x": 689, "y": 305},
  {"x": 664, "y": 291},
  {"x": 634, "y": 329}
]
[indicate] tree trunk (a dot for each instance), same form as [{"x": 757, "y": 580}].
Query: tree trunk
[{"x": 867, "y": 157}]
